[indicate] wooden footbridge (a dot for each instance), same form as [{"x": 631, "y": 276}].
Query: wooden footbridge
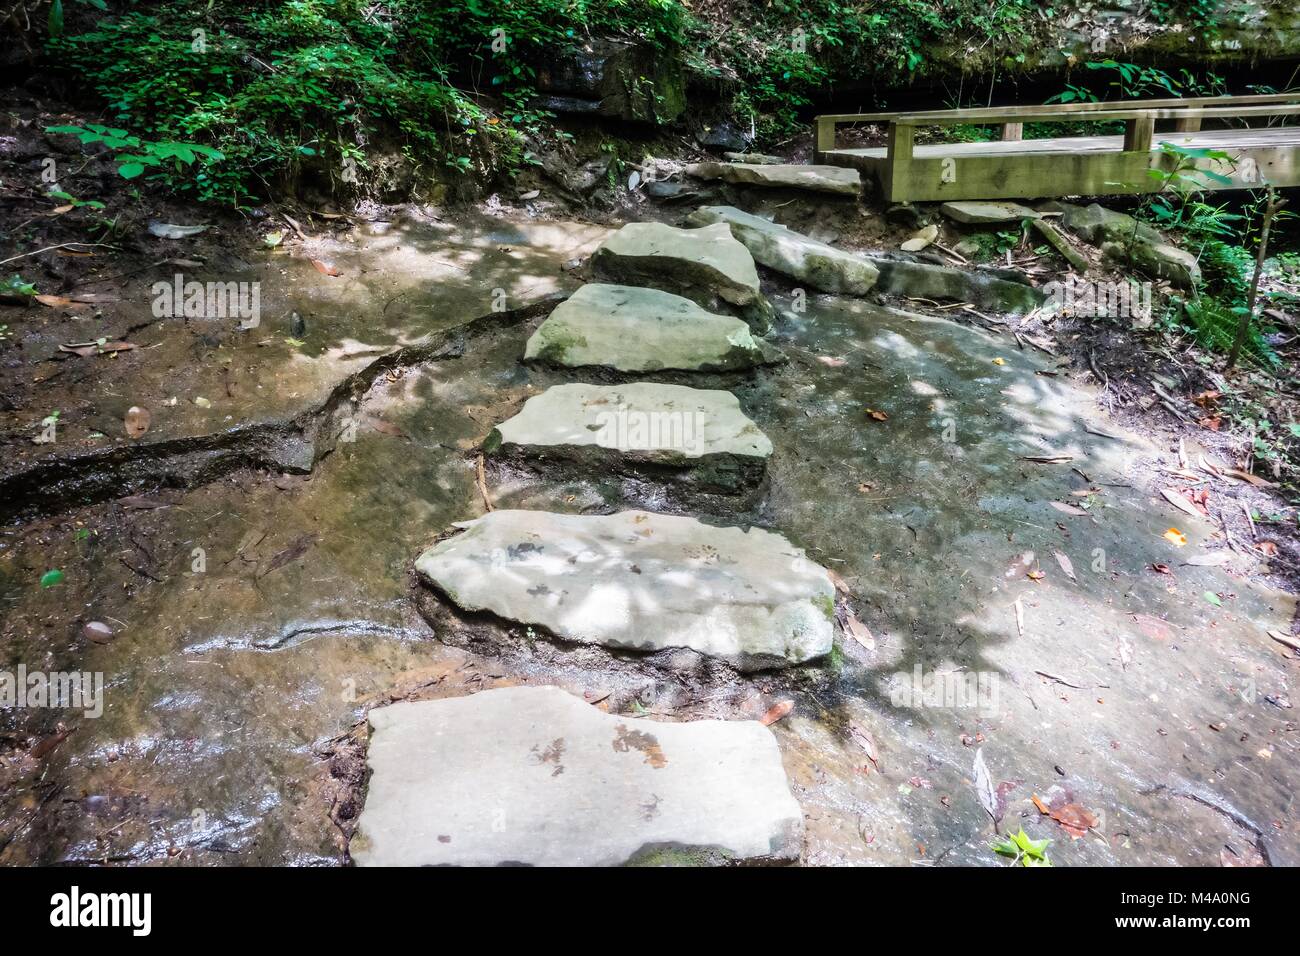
[{"x": 1249, "y": 129}]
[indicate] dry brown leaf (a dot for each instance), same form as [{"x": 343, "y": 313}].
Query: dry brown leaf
[
  {"x": 1068, "y": 509},
  {"x": 878, "y": 415},
  {"x": 860, "y": 632},
  {"x": 776, "y": 712},
  {"x": 1248, "y": 477},
  {"x": 1180, "y": 502},
  {"x": 324, "y": 268},
  {"x": 864, "y": 740},
  {"x": 1065, "y": 564}
]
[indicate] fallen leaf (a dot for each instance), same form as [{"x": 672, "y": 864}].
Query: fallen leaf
[
  {"x": 840, "y": 584},
  {"x": 167, "y": 230},
  {"x": 860, "y": 632},
  {"x": 50, "y": 578},
  {"x": 1161, "y": 569},
  {"x": 46, "y": 746},
  {"x": 137, "y": 421},
  {"x": 1248, "y": 477},
  {"x": 97, "y": 632},
  {"x": 1068, "y": 509},
  {"x": 1066, "y": 566},
  {"x": 324, "y": 268},
  {"x": 296, "y": 549},
  {"x": 1075, "y": 819},
  {"x": 1213, "y": 598},
  {"x": 1180, "y": 502},
  {"x": 999, "y": 361},
  {"x": 832, "y": 361},
  {"x": 984, "y": 788},
  {"x": 1267, "y": 547},
  {"x": 53, "y": 301},
  {"x": 776, "y": 712},
  {"x": 866, "y": 742},
  {"x": 1035, "y": 575},
  {"x": 1175, "y": 537},
  {"x": 1287, "y": 639},
  {"x": 1020, "y": 617},
  {"x": 877, "y": 415}
]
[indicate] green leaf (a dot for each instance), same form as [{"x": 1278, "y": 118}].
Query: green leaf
[
  {"x": 50, "y": 578},
  {"x": 130, "y": 170},
  {"x": 56, "y": 18},
  {"x": 1213, "y": 599}
]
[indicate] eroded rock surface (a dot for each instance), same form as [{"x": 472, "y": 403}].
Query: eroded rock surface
[
  {"x": 633, "y": 329},
  {"x": 641, "y": 581},
  {"x": 536, "y": 776},
  {"x": 822, "y": 266},
  {"x": 706, "y": 265},
  {"x": 839, "y": 180}
]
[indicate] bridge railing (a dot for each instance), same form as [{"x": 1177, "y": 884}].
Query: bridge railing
[
  {"x": 1013, "y": 118},
  {"x": 1009, "y": 173}
]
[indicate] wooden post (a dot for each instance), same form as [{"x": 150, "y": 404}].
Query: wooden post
[
  {"x": 1013, "y": 132},
  {"x": 898, "y": 156},
  {"x": 1138, "y": 133},
  {"x": 825, "y": 140},
  {"x": 1188, "y": 124}
]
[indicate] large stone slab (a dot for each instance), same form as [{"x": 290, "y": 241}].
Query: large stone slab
[
  {"x": 822, "y": 266},
  {"x": 669, "y": 427},
  {"x": 987, "y": 213},
  {"x": 641, "y": 581},
  {"x": 633, "y": 329},
  {"x": 839, "y": 180},
  {"x": 705, "y": 265},
  {"x": 536, "y": 776},
  {"x": 981, "y": 288}
]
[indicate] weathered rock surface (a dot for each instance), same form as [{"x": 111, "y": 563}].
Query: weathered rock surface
[
  {"x": 1096, "y": 224},
  {"x": 987, "y": 213},
  {"x": 633, "y": 329},
  {"x": 822, "y": 266},
  {"x": 628, "y": 80},
  {"x": 1160, "y": 260},
  {"x": 705, "y": 265},
  {"x": 757, "y": 159},
  {"x": 536, "y": 776},
  {"x": 983, "y": 289},
  {"x": 667, "y": 426},
  {"x": 1124, "y": 239},
  {"x": 921, "y": 239},
  {"x": 641, "y": 581},
  {"x": 838, "y": 180}
]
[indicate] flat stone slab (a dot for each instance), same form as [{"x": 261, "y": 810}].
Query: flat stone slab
[
  {"x": 706, "y": 265},
  {"x": 634, "y": 329},
  {"x": 641, "y": 581},
  {"x": 536, "y": 776},
  {"x": 780, "y": 248},
  {"x": 669, "y": 423},
  {"x": 839, "y": 180},
  {"x": 987, "y": 213}
]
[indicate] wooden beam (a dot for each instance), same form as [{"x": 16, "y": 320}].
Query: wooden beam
[
  {"x": 1138, "y": 132},
  {"x": 898, "y": 157},
  {"x": 1013, "y": 132}
]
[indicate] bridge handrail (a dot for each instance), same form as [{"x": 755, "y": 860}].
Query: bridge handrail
[{"x": 1187, "y": 110}]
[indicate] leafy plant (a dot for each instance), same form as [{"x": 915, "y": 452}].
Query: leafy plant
[
  {"x": 168, "y": 158},
  {"x": 1023, "y": 850}
]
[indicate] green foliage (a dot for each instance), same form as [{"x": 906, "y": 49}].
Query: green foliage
[
  {"x": 272, "y": 88},
  {"x": 170, "y": 160},
  {"x": 1023, "y": 850}
]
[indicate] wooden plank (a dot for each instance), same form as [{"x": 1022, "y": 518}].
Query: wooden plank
[{"x": 1013, "y": 132}]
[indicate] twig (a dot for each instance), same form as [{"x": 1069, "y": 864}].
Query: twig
[
  {"x": 61, "y": 245},
  {"x": 481, "y": 481}
]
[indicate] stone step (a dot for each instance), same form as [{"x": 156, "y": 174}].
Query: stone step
[
  {"x": 707, "y": 266},
  {"x": 634, "y": 329},
  {"x": 822, "y": 266},
  {"x": 988, "y": 213},
  {"x": 641, "y": 581},
  {"x": 536, "y": 776},
  {"x": 641, "y": 422},
  {"x": 839, "y": 180}
]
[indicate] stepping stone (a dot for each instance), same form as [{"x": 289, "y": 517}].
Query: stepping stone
[
  {"x": 641, "y": 581},
  {"x": 987, "y": 213},
  {"x": 822, "y": 266},
  {"x": 535, "y": 776},
  {"x": 707, "y": 266},
  {"x": 642, "y": 422},
  {"x": 980, "y": 287},
  {"x": 839, "y": 180},
  {"x": 633, "y": 329}
]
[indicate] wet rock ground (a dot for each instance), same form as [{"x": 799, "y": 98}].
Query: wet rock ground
[{"x": 256, "y": 618}]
